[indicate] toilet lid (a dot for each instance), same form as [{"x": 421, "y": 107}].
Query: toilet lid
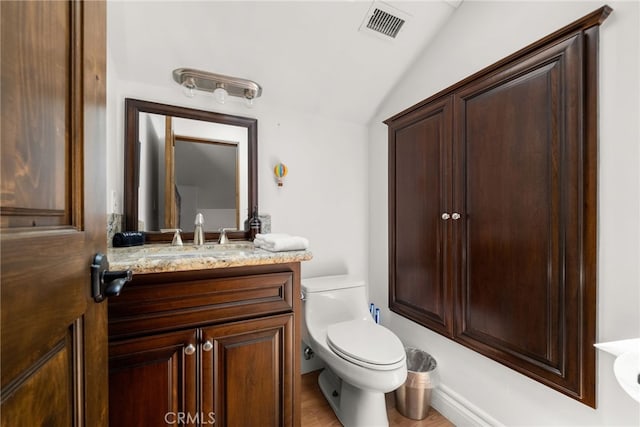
[{"x": 366, "y": 342}]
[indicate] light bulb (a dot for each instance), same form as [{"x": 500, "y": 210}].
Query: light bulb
[
  {"x": 249, "y": 97},
  {"x": 189, "y": 87},
  {"x": 220, "y": 94}
]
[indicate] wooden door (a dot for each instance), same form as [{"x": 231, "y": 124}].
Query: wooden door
[
  {"x": 153, "y": 380},
  {"x": 54, "y": 336},
  {"x": 420, "y": 194},
  {"x": 247, "y": 376},
  {"x": 521, "y": 187}
]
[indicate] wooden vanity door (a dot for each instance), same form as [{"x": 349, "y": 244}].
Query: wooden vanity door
[
  {"x": 152, "y": 380},
  {"x": 52, "y": 222},
  {"x": 248, "y": 375}
]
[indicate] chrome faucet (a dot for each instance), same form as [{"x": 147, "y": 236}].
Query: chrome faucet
[{"x": 198, "y": 232}]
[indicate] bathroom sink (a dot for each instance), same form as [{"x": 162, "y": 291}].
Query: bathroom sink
[{"x": 627, "y": 371}]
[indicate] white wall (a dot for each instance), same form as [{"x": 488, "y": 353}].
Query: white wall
[
  {"x": 324, "y": 197},
  {"x": 478, "y": 34}
]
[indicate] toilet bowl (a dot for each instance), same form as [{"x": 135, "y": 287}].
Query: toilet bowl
[{"x": 363, "y": 360}]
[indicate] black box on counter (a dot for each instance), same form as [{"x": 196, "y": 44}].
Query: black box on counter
[{"x": 128, "y": 238}]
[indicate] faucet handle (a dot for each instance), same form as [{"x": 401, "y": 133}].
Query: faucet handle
[
  {"x": 223, "y": 235},
  {"x": 177, "y": 240}
]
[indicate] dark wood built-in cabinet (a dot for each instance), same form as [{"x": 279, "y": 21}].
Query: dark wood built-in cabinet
[
  {"x": 493, "y": 210},
  {"x": 208, "y": 346}
]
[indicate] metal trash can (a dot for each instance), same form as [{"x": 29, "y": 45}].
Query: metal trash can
[{"x": 413, "y": 398}]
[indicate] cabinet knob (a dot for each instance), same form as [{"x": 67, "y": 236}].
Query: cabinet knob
[
  {"x": 446, "y": 216},
  {"x": 455, "y": 215},
  {"x": 207, "y": 346},
  {"x": 190, "y": 349}
]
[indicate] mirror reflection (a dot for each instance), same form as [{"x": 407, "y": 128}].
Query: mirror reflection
[
  {"x": 180, "y": 162},
  {"x": 188, "y": 167}
]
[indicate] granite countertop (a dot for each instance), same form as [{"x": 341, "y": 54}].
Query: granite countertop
[{"x": 160, "y": 258}]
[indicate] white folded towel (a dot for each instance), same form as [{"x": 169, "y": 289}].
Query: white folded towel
[{"x": 278, "y": 242}]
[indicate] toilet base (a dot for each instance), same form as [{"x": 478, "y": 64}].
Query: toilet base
[{"x": 354, "y": 407}]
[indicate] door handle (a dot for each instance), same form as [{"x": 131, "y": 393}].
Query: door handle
[{"x": 105, "y": 283}]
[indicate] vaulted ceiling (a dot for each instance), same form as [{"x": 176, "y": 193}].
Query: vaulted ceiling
[{"x": 308, "y": 56}]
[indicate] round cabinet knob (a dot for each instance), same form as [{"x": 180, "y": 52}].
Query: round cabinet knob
[
  {"x": 446, "y": 216},
  {"x": 190, "y": 349},
  {"x": 207, "y": 346},
  {"x": 455, "y": 215}
]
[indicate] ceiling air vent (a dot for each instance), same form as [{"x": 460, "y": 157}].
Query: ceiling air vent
[{"x": 383, "y": 19}]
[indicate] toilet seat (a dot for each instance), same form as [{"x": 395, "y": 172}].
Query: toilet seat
[{"x": 366, "y": 344}]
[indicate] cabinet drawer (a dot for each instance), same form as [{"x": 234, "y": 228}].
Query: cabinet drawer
[{"x": 149, "y": 306}]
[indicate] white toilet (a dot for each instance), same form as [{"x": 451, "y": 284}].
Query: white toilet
[{"x": 364, "y": 360}]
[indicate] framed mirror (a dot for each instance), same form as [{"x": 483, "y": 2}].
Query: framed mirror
[{"x": 181, "y": 161}]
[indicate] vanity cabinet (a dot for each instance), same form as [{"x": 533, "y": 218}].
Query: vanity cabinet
[
  {"x": 194, "y": 348},
  {"x": 492, "y": 210}
]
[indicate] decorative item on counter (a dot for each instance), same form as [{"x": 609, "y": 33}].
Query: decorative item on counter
[
  {"x": 278, "y": 242},
  {"x": 128, "y": 238},
  {"x": 280, "y": 171},
  {"x": 255, "y": 225}
]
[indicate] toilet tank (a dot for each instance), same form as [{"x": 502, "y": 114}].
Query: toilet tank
[{"x": 334, "y": 299}]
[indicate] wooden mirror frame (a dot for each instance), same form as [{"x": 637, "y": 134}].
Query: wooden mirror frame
[{"x": 133, "y": 108}]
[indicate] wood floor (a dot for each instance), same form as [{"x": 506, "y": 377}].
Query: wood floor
[{"x": 316, "y": 411}]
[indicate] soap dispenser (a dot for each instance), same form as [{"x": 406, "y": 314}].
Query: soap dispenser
[
  {"x": 255, "y": 225},
  {"x": 198, "y": 232}
]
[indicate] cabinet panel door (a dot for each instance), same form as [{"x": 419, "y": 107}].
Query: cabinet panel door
[
  {"x": 419, "y": 192},
  {"x": 152, "y": 380},
  {"x": 247, "y": 377},
  {"x": 520, "y": 186}
]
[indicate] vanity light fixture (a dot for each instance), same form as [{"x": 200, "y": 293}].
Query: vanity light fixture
[{"x": 220, "y": 85}]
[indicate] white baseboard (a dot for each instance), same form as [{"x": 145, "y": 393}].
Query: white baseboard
[{"x": 459, "y": 410}]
